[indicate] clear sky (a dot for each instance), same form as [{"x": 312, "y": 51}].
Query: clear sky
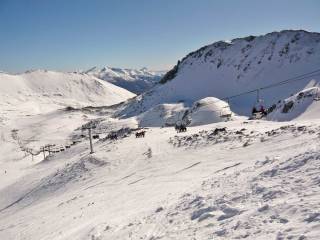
[{"x": 78, "y": 34}]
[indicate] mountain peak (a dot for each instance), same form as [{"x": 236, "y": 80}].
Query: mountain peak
[{"x": 224, "y": 69}]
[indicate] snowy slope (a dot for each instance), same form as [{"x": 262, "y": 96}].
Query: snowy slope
[
  {"x": 256, "y": 180},
  {"x": 43, "y": 91},
  {"x": 225, "y": 180},
  {"x": 209, "y": 110},
  {"x": 224, "y": 69},
  {"x": 205, "y": 111},
  {"x": 162, "y": 115},
  {"x": 220, "y": 180},
  {"x": 134, "y": 80},
  {"x": 303, "y": 105}
]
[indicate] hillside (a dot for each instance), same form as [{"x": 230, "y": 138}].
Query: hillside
[
  {"x": 302, "y": 105},
  {"x": 42, "y": 91},
  {"x": 224, "y": 69},
  {"x": 205, "y": 111},
  {"x": 134, "y": 80},
  {"x": 224, "y": 177},
  {"x": 227, "y": 180}
]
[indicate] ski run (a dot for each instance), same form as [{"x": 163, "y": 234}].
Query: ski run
[{"x": 175, "y": 162}]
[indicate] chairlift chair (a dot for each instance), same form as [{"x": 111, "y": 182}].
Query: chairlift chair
[{"x": 258, "y": 114}]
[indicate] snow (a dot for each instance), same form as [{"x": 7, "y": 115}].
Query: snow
[
  {"x": 225, "y": 69},
  {"x": 302, "y": 105},
  {"x": 204, "y": 111},
  {"x": 44, "y": 91},
  {"x": 33, "y": 103},
  {"x": 224, "y": 178},
  {"x": 249, "y": 180},
  {"x": 162, "y": 115},
  {"x": 221, "y": 180},
  {"x": 209, "y": 110},
  {"x": 134, "y": 80}
]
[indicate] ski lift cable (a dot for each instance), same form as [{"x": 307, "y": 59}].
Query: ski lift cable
[
  {"x": 298, "y": 78},
  {"x": 302, "y": 75},
  {"x": 293, "y": 80},
  {"x": 228, "y": 98},
  {"x": 271, "y": 86},
  {"x": 286, "y": 81}
]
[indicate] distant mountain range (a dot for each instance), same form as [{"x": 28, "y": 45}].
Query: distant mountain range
[{"x": 133, "y": 80}]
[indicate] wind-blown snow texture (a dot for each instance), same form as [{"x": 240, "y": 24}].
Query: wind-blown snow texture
[
  {"x": 224, "y": 69},
  {"x": 136, "y": 81},
  {"x": 235, "y": 179}
]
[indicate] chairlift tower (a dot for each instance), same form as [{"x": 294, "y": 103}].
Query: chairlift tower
[
  {"x": 258, "y": 95},
  {"x": 89, "y": 128}
]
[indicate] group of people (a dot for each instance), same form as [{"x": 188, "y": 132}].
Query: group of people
[
  {"x": 113, "y": 136},
  {"x": 140, "y": 134},
  {"x": 180, "y": 128},
  {"x": 260, "y": 110}
]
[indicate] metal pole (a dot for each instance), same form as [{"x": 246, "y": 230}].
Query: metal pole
[
  {"x": 90, "y": 138},
  {"x": 49, "y": 150},
  {"x": 44, "y": 153}
]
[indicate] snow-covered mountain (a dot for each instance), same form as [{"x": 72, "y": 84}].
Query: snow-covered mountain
[
  {"x": 302, "y": 105},
  {"x": 225, "y": 69},
  {"x": 42, "y": 91},
  {"x": 134, "y": 80},
  {"x": 238, "y": 179}
]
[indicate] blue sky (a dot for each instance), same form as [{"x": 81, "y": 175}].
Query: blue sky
[{"x": 78, "y": 34}]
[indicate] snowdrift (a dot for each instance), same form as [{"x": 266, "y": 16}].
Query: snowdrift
[
  {"x": 209, "y": 110},
  {"x": 225, "y": 69},
  {"x": 304, "y": 105},
  {"x": 162, "y": 115},
  {"x": 205, "y": 111}
]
